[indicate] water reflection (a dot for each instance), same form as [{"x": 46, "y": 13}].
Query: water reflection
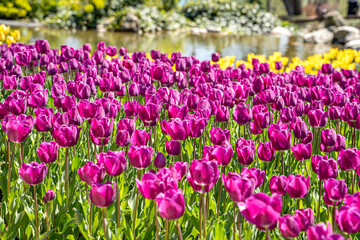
[{"x": 199, "y": 45}]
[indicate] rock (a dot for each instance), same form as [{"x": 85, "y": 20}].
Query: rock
[
  {"x": 131, "y": 23},
  {"x": 355, "y": 44},
  {"x": 213, "y": 29},
  {"x": 334, "y": 18},
  {"x": 340, "y": 33},
  {"x": 351, "y": 37},
  {"x": 281, "y": 31},
  {"x": 198, "y": 30},
  {"x": 319, "y": 36}
]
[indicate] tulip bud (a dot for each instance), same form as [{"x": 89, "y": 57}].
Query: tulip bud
[{"x": 49, "y": 196}]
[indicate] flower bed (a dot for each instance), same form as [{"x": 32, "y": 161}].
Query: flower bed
[{"x": 99, "y": 143}]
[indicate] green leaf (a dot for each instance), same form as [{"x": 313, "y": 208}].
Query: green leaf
[{"x": 219, "y": 230}]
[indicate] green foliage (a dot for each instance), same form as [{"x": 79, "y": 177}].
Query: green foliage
[
  {"x": 151, "y": 19},
  {"x": 230, "y": 16}
]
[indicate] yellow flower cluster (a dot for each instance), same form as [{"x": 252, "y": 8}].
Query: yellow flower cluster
[
  {"x": 345, "y": 59},
  {"x": 8, "y": 36}
]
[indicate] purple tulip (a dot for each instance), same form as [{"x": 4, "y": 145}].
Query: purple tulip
[
  {"x": 171, "y": 204},
  {"x": 177, "y": 129},
  {"x": 300, "y": 129},
  {"x": 288, "y": 226},
  {"x": 335, "y": 189},
  {"x": 66, "y": 136},
  {"x": 265, "y": 151},
  {"x": 160, "y": 160},
  {"x": 204, "y": 173},
  {"x": 48, "y": 152},
  {"x": 298, "y": 186},
  {"x": 245, "y": 150},
  {"x": 139, "y": 137},
  {"x": 349, "y": 159},
  {"x": 318, "y": 118},
  {"x": 328, "y": 137},
  {"x": 101, "y": 128},
  {"x": 49, "y": 196},
  {"x": 242, "y": 114},
  {"x": 173, "y": 148},
  {"x": 348, "y": 219},
  {"x": 261, "y": 210},
  {"x": 302, "y": 151},
  {"x": 122, "y": 138},
  {"x": 43, "y": 119},
  {"x": 33, "y": 173},
  {"x": 219, "y": 136},
  {"x": 17, "y": 128},
  {"x": 140, "y": 157},
  {"x": 114, "y": 163},
  {"x": 305, "y": 218},
  {"x": 278, "y": 184},
  {"x": 92, "y": 173},
  {"x": 320, "y": 231},
  {"x": 238, "y": 187},
  {"x": 149, "y": 114},
  {"x": 152, "y": 184},
  {"x": 279, "y": 136},
  {"x": 254, "y": 173},
  {"x": 103, "y": 195}
]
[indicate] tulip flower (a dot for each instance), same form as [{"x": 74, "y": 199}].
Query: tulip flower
[
  {"x": 298, "y": 186},
  {"x": 238, "y": 187},
  {"x": 349, "y": 159},
  {"x": 160, "y": 160},
  {"x": 254, "y": 173},
  {"x": 278, "y": 184},
  {"x": 261, "y": 210},
  {"x": 328, "y": 137},
  {"x": 139, "y": 137},
  {"x": 171, "y": 204},
  {"x": 204, "y": 173},
  {"x": 319, "y": 231},
  {"x": 219, "y": 136},
  {"x": 304, "y": 218},
  {"x": 242, "y": 115},
  {"x": 177, "y": 129},
  {"x": 335, "y": 189},
  {"x": 181, "y": 168},
  {"x": 279, "y": 137},
  {"x": 288, "y": 226},
  {"x": 318, "y": 118},
  {"x": 140, "y": 157},
  {"x": 33, "y": 174},
  {"x": 66, "y": 136},
  {"x": 101, "y": 128},
  {"x": 48, "y": 152},
  {"x": 173, "y": 148},
  {"x": 43, "y": 119},
  {"x": 122, "y": 138},
  {"x": 114, "y": 163},
  {"x": 348, "y": 219},
  {"x": 302, "y": 151},
  {"x": 49, "y": 196},
  {"x": 265, "y": 151},
  {"x": 17, "y": 128},
  {"x": 103, "y": 195},
  {"x": 245, "y": 150},
  {"x": 149, "y": 114}
]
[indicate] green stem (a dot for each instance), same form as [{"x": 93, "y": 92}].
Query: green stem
[
  {"x": 47, "y": 217},
  {"x": 200, "y": 216},
  {"x": 179, "y": 230},
  {"x": 10, "y": 164},
  {"x": 282, "y": 163},
  {"x": 118, "y": 203},
  {"x": 104, "y": 223},
  {"x": 234, "y": 216},
  {"x": 37, "y": 230},
  {"x": 67, "y": 173},
  {"x": 239, "y": 224},
  {"x": 319, "y": 203},
  {"x": 156, "y": 221},
  {"x": 333, "y": 218},
  {"x": 88, "y": 139},
  {"x": 135, "y": 209},
  {"x": 219, "y": 198},
  {"x": 166, "y": 229}
]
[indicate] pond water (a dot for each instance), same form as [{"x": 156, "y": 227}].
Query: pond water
[{"x": 199, "y": 45}]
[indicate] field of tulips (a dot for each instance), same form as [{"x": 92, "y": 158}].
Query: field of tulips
[{"x": 99, "y": 143}]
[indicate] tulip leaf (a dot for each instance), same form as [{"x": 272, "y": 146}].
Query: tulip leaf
[{"x": 219, "y": 230}]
